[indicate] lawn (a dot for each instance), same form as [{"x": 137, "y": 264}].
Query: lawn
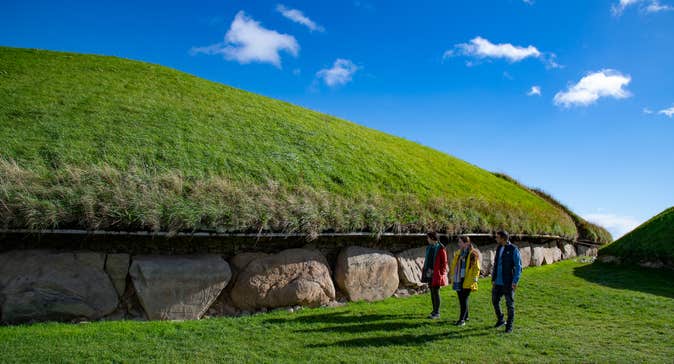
[
  {"x": 652, "y": 241},
  {"x": 567, "y": 312}
]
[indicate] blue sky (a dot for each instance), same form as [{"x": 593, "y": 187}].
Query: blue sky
[{"x": 596, "y": 131}]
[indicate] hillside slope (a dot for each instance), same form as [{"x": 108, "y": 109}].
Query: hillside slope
[
  {"x": 651, "y": 241},
  {"x": 99, "y": 142}
]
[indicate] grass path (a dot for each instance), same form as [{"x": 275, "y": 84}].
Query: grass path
[{"x": 567, "y": 312}]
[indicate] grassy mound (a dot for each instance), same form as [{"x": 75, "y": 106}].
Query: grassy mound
[
  {"x": 652, "y": 241},
  {"x": 567, "y": 312},
  {"x": 98, "y": 142}
]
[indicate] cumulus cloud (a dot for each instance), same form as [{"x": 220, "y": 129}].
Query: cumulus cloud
[
  {"x": 615, "y": 224},
  {"x": 605, "y": 83},
  {"x": 535, "y": 90},
  {"x": 247, "y": 41},
  {"x": 648, "y": 6},
  {"x": 669, "y": 112},
  {"x": 299, "y": 17},
  {"x": 656, "y": 7},
  {"x": 341, "y": 73},
  {"x": 482, "y": 48}
]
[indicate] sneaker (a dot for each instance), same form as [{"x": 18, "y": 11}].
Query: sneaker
[
  {"x": 499, "y": 323},
  {"x": 508, "y": 329},
  {"x": 460, "y": 323},
  {"x": 434, "y": 316}
]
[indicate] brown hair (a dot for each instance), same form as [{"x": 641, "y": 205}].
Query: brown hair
[
  {"x": 432, "y": 235},
  {"x": 465, "y": 239}
]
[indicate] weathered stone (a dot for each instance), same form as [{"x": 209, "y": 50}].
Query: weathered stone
[
  {"x": 178, "y": 287},
  {"x": 291, "y": 277},
  {"x": 117, "y": 267},
  {"x": 240, "y": 261},
  {"x": 525, "y": 253},
  {"x": 487, "y": 255},
  {"x": 366, "y": 274},
  {"x": 40, "y": 285},
  {"x": 548, "y": 254},
  {"x": 555, "y": 252},
  {"x": 568, "y": 251},
  {"x": 538, "y": 253},
  {"x": 609, "y": 259},
  {"x": 410, "y": 264},
  {"x": 586, "y": 250}
]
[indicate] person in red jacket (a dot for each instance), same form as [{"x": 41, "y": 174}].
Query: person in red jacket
[{"x": 435, "y": 270}]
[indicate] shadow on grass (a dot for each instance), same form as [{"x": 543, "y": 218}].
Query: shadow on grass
[
  {"x": 634, "y": 278},
  {"x": 341, "y": 317},
  {"x": 378, "y": 326},
  {"x": 402, "y": 340}
]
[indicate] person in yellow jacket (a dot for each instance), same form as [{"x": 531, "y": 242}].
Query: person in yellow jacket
[{"x": 463, "y": 275}]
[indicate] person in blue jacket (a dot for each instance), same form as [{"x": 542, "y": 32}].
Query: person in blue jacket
[{"x": 504, "y": 277}]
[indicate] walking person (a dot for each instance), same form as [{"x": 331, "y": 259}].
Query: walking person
[
  {"x": 464, "y": 274},
  {"x": 505, "y": 277},
  {"x": 435, "y": 270}
]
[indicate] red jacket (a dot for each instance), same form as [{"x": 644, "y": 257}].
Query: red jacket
[{"x": 440, "y": 268}]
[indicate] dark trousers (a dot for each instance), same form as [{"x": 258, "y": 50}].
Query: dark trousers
[
  {"x": 435, "y": 299},
  {"x": 463, "y": 302},
  {"x": 496, "y": 293}
]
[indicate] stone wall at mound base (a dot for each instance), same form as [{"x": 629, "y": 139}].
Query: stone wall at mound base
[{"x": 49, "y": 284}]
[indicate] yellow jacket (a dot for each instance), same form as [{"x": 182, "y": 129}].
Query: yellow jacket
[{"x": 472, "y": 269}]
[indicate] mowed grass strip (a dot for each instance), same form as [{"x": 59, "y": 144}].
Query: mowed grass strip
[
  {"x": 567, "y": 312},
  {"x": 77, "y": 129}
]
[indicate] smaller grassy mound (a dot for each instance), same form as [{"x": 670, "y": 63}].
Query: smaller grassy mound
[{"x": 652, "y": 241}]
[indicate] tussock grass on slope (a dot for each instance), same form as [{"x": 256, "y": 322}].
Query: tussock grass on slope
[
  {"x": 586, "y": 230},
  {"x": 651, "y": 241},
  {"x": 68, "y": 122}
]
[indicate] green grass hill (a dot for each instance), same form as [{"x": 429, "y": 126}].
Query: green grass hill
[
  {"x": 652, "y": 241},
  {"x": 96, "y": 142}
]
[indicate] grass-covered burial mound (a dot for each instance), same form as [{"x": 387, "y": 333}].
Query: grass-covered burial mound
[{"x": 102, "y": 143}]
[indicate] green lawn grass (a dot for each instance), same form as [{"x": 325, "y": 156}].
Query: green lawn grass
[
  {"x": 652, "y": 241},
  {"x": 567, "y": 312},
  {"x": 97, "y": 142}
]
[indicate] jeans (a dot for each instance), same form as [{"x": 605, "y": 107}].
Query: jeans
[
  {"x": 463, "y": 302},
  {"x": 496, "y": 293},
  {"x": 435, "y": 299}
]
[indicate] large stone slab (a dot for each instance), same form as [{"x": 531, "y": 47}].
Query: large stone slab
[
  {"x": 538, "y": 253},
  {"x": 366, "y": 274},
  {"x": 525, "y": 253},
  {"x": 289, "y": 278},
  {"x": 178, "y": 287},
  {"x": 568, "y": 251},
  {"x": 40, "y": 285},
  {"x": 410, "y": 264},
  {"x": 487, "y": 255},
  {"x": 117, "y": 267},
  {"x": 586, "y": 250},
  {"x": 555, "y": 252}
]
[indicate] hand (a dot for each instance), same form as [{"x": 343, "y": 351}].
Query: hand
[{"x": 514, "y": 286}]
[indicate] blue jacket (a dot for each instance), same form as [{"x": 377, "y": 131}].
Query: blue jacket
[{"x": 512, "y": 265}]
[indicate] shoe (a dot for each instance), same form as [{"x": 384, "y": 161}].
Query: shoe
[
  {"x": 460, "y": 323},
  {"x": 508, "y": 329},
  {"x": 499, "y": 323},
  {"x": 434, "y": 316}
]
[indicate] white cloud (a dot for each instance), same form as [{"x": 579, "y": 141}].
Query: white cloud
[
  {"x": 298, "y": 17},
  {"x": 535, "y": 90},
  {"x": 482, "y": 48},
  {"x": 655, "y": 7},
  {"x": 341, "y": 73},
  {"x": 648, "y": 6},
  {"x": 605, "y": 83},
  {"x": 669, "y": 112},
  {"x": 247, "y": 41},
  {"x": 615, "y": 224},
  {"x": 647, "y": 110}
]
